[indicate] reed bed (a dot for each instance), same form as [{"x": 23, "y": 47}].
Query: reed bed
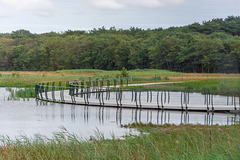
[
  {"x": 24, "y": 93},
  {"x": 153, "y": 142}
]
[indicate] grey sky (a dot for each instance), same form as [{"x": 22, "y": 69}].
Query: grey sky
[{"x": 40, "y": 16}]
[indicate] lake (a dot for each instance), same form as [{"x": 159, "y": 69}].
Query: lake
[{"x": 29, "y": 117}]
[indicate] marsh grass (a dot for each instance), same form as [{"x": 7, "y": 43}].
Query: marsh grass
[
  {"x": 232, "y": 82},
  {"x": 143, "y": 79},
  {"x": 24, "y": 93},
  {"x": 157, "y": 72},
  {"x": 227, "y": 84},
  {"x": 131, "y": 72},
  {"x": 32, "y": 80},
  {"x": 154, "y": 142},
  {"x": 16, "y": 74}
]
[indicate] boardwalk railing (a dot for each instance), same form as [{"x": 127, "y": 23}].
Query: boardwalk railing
[{"x": 113, "y": 93}]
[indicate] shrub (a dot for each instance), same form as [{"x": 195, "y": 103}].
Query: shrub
[
  {"x": 15, "y": 74},
  {"x": 123, "y": 73},
  {"x": 166, "y": 78},
  {"x": 43, "y": 75}
]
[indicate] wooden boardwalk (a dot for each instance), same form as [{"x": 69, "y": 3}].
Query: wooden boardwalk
[{"x": 127, "y": 102}]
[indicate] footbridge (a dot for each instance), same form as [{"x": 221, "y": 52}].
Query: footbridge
[{"x": 122, "y": 94}]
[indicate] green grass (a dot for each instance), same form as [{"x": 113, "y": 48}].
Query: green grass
[
  {"x": 210, "y": 84},
  {"x": 229, "y": 86},
  {"x": 157, "y": 72},
  {"x": 151, "y": 79},
  {"x": 24, "y": 93},
  {"x": 92, "y": 71},
  {"x": 30, "y": 81},
  {"x": 138, "y": 76},
  {"x": 131, "y": 72},
  {"x": 84, "y": 71},
  {"x": 168, "y": 142}
]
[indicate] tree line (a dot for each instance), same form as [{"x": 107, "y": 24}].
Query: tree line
[{"x": 213, "y": 46}]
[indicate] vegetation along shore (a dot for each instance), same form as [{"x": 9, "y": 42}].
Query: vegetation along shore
[
  {"x": 153, "y": 142},
  {"x": 200, "y": 56}
]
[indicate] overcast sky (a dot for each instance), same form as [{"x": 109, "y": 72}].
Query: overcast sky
[{"x": 40, "y": 16}]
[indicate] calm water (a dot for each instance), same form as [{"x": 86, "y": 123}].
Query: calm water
[{"x": 31, "y": 117}]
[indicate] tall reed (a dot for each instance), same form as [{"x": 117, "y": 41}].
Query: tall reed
[{"x": 154, "y": 142}]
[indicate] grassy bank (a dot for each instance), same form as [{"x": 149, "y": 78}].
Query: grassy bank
[
  {"x": 135, "y": 72},
  {"x": 22, "y": 80},
  {"x": 31, "y": 78},
  {"x": 193, "y": 81},
  {"x": 227, "y": 84},
  {"x": 155, "y": 142}
]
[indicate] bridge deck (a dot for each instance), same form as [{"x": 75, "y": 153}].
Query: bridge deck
[{"x": 144, "y": 105}]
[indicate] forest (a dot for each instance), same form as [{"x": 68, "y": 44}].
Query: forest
[{"x": 210, "y": 47}]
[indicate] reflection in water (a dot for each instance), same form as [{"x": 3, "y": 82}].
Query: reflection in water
[
  {"x": 119, "y": 116},
  {"x": 73, "y": 114},
  {"x": 233, "y": 119},
  {"x": 100, "y": 115},
  {"x": 46, "y": 112},
  {"x": 86, "y": 114},
  {"x": 122, "y": 116},
  {"x": 184, "y": 118},
  {"x": 125, "y": 116},
  {"x": 209, "y": 118},
  {"x": 53, "y": 112},
  {"x": 62, "y": 112},
  {"x": 31, "y": 117}
]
